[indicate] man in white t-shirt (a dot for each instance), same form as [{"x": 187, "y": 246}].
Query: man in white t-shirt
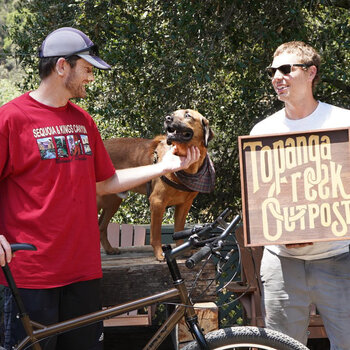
[{"x": 296, "y": 275}]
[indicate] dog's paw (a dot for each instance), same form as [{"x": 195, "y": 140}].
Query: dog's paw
[
  {"x": 158, "y": 252},
  {"x": 160, "y": 258},
  {"x": 113, "y": 251}
]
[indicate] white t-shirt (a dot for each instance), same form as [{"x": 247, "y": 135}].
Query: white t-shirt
[{"x": 325, "y": 116}]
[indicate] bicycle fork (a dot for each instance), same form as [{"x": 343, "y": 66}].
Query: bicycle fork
[{"x": 191, "y": 317}]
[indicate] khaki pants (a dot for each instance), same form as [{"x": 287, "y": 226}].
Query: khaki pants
[{"x": 290, "y": 285}]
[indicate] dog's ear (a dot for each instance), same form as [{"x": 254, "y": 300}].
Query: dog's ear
[{"x": 207, "y": 132}]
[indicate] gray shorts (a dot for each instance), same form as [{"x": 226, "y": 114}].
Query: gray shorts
[{"x": 289, "y": 287}]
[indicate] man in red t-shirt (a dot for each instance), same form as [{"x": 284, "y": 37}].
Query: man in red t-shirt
[{"x": 52, "y": 164}]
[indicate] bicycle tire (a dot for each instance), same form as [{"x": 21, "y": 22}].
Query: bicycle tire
[{"x": 248, "y": 338}]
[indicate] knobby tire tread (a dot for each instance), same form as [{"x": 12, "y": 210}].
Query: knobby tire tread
[{"x": 253, "y": 335}]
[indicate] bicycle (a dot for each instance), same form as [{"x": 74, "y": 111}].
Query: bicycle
[{"x": 210, "y": 242}]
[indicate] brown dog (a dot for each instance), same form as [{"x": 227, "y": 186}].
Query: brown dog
[{"x": 184, "y": 128}]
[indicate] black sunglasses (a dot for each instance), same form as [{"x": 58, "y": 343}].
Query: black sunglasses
[
  {"x": 92, "y": 51},
  {"x": 285, "y": 68}
]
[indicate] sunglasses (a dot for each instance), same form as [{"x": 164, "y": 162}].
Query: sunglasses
[
  {"x": 285, "y": 68},
  {"x": 92, "y": 51}
]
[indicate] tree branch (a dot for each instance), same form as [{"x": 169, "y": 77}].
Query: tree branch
[
  {"x": 338, "y": 84},
  {"x": 341, "y": 3}
]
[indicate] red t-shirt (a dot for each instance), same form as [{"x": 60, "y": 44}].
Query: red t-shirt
[{"x": 50, "y": 161}]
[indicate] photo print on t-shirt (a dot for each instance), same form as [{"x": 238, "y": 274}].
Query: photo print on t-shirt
[
  {"x": 74, "y": 144},
  {"x": 86, "y": 144},
  {"x": 61, "y": 146},
  {"x": 46, "y": 148}
]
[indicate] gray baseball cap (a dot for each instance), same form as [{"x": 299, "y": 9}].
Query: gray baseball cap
[{"x": 67, "y": 41}]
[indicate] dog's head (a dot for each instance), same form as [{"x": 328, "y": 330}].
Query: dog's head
[{"x": 186, "y": 127}]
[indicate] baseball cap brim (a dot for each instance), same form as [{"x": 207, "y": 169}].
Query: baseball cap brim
[{"x": 95, "y": 61}]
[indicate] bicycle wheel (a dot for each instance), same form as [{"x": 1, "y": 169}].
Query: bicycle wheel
[{"x": 245, "y": 338}]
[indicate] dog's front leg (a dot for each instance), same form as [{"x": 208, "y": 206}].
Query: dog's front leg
[
  {"x": 157, "y": 212},
  {"x": 109, "y": 205},
  {"x": 181, "y": 211}
]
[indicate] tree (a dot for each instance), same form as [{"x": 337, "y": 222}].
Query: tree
[
  {"x": 206, "y": 55},
  {"x": 9, "y": 74}
]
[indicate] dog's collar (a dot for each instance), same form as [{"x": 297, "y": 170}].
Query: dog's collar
[
  {"x": 178, "y": 186},
  {"x": 203, "y": 181}
]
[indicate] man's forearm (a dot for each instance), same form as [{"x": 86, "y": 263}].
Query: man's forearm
[{"x": 125, "y": 179}]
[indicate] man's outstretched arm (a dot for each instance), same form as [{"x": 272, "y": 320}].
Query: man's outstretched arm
[{"x": 125, "y": 179}]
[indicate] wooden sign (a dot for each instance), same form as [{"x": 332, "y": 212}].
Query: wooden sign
[{"x": 295, "y": 187}]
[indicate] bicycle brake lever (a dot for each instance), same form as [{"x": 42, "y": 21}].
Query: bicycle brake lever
[
  {"x": 222, "y": 222},
  {"x": 218, "y": 246},
  {"x": 195, "y": 241},
  {"x": 228, "y": 255}
]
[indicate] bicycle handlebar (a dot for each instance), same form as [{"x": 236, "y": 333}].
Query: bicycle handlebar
[
  {"x": 198, "y": 256},
  {"x": 201, "y": 230},
  {"x": 22, "y": 246},
  {"x": 209, "y": 247},
  {"x": 185, "y": 233}
]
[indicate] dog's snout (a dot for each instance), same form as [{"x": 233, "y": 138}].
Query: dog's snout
[{"x": 169, "y": 119}]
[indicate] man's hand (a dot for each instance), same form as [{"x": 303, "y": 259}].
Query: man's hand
[
  {"x": 298, "y": 245},
  {"x": 5, "y": 251},
  {"x": 171, "y": 162}
]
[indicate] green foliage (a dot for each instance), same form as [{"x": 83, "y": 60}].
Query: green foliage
[
  {"x": 8, "y": 91},
  {"x": 9, "y": 74},
  {"x": 206, "y": 55}
]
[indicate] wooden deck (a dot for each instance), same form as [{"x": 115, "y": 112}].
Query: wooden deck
[{"x": 135, "y": 273}]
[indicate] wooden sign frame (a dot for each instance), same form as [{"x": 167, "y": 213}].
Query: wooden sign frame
[{"x": 295, "y": 187}]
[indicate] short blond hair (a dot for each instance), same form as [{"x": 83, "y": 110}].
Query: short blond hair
[{"x": 307, "y": 53}]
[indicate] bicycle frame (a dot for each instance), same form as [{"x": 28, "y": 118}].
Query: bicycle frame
[{"x": 36, "y": 331}]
